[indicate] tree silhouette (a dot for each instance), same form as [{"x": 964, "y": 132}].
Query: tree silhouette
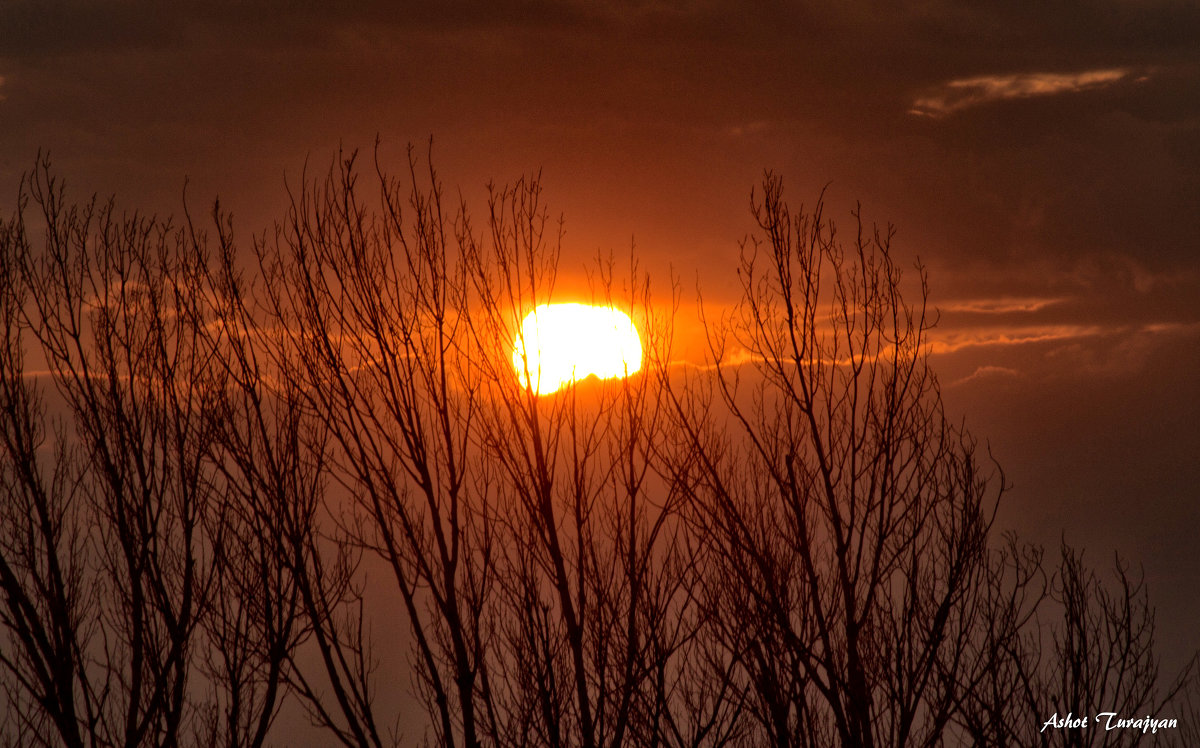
[
  {"x": 594, "y": 575},
  {"x": 1091, "y": 652},
  {"x": 209, "y": 455},
  {"x": 149, "y": 588},
  {"x": 108, "y": 562},
  {"x": 849, "y": 515},
  {"x": 529, "y": 537}
]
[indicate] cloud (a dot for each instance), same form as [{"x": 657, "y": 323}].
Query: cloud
[
  {"x": 1092, "y": 348},
  {"x": 1173, "y": 328},
  {"x": 1002, "y": 305},
  {"x": 962, "y": 93},
  {"x": 1125, "y": 354},
  {"x": 949, "y": 342},
  {"x": 987, "y": 371}
]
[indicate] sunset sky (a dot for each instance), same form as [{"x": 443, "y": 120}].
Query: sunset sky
[{"x": 1042, "y": 159}]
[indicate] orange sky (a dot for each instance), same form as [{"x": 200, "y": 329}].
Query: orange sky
[{"x": 1043, "y": 160}]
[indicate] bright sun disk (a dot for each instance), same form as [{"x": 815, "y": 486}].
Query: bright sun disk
[{"x": 563, "y": 343}]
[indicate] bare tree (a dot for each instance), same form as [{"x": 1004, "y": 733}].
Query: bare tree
[
  {"x": 1103, "y": 656},
  {"x": 1085, "y": 650},
  {"x": 147, "y": 600},
  {"x": 846, "y": 518},
  {"x": 786, "y": 546},
  {"x": 996, "y": 692},
  {"x": 597, "y": 578},
  {"x": 42, "y": 543},
  {"x": 845, "y": 525},
  {"x": 535, "y": 545},
  {"x": 281, "y": 587},
  {"x": 108, "y": 568},
  {"x": 1185, "y": 707},
  {"x": 367, "y": 314}
]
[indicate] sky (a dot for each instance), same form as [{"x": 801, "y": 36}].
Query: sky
[{"x": 1042, "y": 159}]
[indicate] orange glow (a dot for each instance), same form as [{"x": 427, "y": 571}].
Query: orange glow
[{"x": 563, "y": 343}]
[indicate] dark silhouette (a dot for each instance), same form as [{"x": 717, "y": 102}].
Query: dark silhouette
[
  {"x": 788, "y": 545},
  {"x": 845, "y": 519}
]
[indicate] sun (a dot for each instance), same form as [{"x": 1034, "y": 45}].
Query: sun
[{"x": 559, "y": 344}]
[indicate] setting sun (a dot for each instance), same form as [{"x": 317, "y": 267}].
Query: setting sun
[{"x": 563, "y": 343}]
